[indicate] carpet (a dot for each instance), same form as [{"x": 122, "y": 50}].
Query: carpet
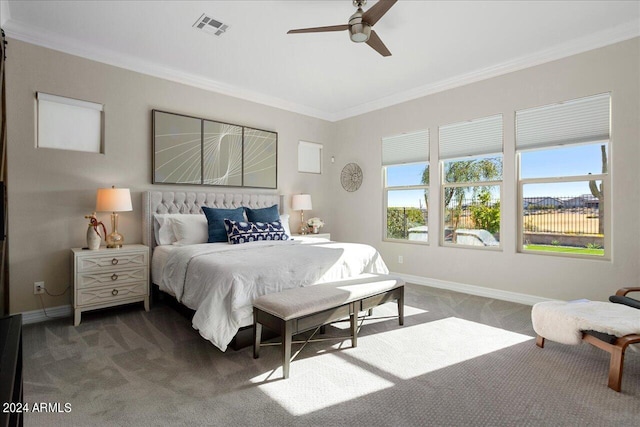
[{"x": 458, "y": 360}]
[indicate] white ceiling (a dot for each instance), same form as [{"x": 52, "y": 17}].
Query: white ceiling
[{"x": 435, "y": 44}]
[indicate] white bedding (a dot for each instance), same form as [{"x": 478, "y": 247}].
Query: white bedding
[{"x": 220, "y": 281}]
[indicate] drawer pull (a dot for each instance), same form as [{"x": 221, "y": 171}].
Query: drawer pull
[
  {"x": 114, "y": 276},
  {"x": 114, "y": 261},
  {"x": 114, "y": 292}
]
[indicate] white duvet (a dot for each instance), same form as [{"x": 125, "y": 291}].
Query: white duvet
[{"x": 220, "y": 282}]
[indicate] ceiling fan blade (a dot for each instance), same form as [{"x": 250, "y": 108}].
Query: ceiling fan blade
[
  {"x": 375, "y": 42},
  {"x": 320, "y": 29},
  {"x": 376, "y": 12}
]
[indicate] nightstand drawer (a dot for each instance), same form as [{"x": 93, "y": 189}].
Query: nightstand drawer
[
  {"x": 115, "y": 277},
  {"x": 109, "y": 260},
  {"x": 111, "y": 293}
]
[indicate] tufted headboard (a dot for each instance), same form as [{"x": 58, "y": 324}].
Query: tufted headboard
[{"x": 191, "y": 202}]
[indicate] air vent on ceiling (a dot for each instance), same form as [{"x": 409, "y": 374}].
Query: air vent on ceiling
[{"x": 210, "y": 25}]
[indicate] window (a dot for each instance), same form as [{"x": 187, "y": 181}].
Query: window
[
  {"x": 405, "y": 167},
  {"x": 69, "y": 124},
  {"x": 309, "y": 157},
  {"x": 471, "y": 165},
  {"x": 563, "y": 177}
]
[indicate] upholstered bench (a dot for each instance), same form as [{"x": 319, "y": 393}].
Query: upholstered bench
[{"x": 302, "y": 309}]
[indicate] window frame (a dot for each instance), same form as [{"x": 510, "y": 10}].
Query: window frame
[
  {"x": 385, "y": 202},
  {"x": 407, "y": 148},
  {"x": 444, "y": 184},
  {"x": 521, "y": 182},
  {"x": 604, "y": 177},
  {"x": 482, "y": 151}
]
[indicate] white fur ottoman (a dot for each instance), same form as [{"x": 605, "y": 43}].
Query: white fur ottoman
[{"x": 610, "y": 327}]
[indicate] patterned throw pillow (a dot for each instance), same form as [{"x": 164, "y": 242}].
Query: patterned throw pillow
[{"x": 244, "y": 232}]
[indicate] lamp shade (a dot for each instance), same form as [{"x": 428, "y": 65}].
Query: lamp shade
[
  {"x": 113, "y": 200},
  {"x": 301, "y": 202}
]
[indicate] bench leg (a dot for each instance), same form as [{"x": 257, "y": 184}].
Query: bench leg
[
  {"x": 615, "y": 368},
  {"x": 354, "y": 326},
  {"x": 401, "y": 307},
  {"x": 540, "y": 341},
  {"x": 323, "y": 329},
  {"x": 286, "y": 348},
  {"x": 257, "y": 337}
]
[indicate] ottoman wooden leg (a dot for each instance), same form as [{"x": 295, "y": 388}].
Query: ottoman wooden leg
[{"x": 540, "y": 341}]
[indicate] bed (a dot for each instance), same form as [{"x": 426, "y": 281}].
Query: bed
[{"x": 219, "y": 281}]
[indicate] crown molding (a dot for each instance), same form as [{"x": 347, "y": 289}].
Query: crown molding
[
  {"x": 19, "y": 31},
  {"x": 574, "y": 47},
  {"x": 25, "y": 33}
]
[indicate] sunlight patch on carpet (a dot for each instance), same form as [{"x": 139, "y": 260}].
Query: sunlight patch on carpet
[
  {"x": 387, "y": 311},
  {"x": 410, "y": 351},
  {"x": 318, "y": 382}
]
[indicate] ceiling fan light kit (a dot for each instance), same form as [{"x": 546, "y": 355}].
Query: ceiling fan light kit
[{"x": 359, "y": 25}]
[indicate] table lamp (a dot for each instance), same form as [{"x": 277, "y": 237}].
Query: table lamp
[
  {"x": 301, "y": 202},
  {"x": 113, "y": 200}
]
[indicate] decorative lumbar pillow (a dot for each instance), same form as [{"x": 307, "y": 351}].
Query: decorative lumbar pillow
[
  {"x": 190, "y": 229},
  {"x": 244, "y": 232},
  {"x": 270, "y": 214},
  {"x": 215, "y": 220}
]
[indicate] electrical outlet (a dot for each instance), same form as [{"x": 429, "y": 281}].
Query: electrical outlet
[
  {"x": 38, "y": 288},
  {"x": 400, "y": 259}
]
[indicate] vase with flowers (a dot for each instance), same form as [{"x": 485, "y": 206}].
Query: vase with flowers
[
  {"x": 315, "y": 224},
  {"x": 93, "y": 232}
]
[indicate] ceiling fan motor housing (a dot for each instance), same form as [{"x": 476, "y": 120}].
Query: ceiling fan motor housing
[{"x": 359, "y": 31}]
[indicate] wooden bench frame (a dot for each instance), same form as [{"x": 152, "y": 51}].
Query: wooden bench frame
[
  {"x": 291, "y": 327},
  {"x": 616, "y": 349}
]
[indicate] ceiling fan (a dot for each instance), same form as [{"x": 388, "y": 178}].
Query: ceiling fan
[{"x": 359, "y": 25}]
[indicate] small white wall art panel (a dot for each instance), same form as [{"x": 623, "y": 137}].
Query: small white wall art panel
[
  {"x": 69, "y": 124},
  {"x": 309, "y": 157}
]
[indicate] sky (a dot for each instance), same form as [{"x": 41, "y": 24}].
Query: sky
[{"x": 559, "y": 162}]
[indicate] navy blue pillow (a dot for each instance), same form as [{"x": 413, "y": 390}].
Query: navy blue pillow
[
  {"x": 244, "y": 232},
  {"x": 263, "y": 215},
  {"x": 215, "y": 219}
]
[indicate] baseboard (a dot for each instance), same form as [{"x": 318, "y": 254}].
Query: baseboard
[
  {"x": 473, "y": 290},
  {"x": 37, "y": 316}
]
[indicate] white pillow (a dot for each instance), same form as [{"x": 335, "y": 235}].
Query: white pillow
[
  {"x": 284, "y": 219},
  {"x": 163, "y": 229},
  {"x": 190, "y": 229}
]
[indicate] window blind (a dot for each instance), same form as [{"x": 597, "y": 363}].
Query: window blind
[
  {"x": 577, "y": 121},
  {"x": 406, "y": 148},
  {"x": 69, "y": 124},
  {"x": 472, "y": 138}
]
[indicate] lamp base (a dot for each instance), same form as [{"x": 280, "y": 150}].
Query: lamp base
[{"x": 115, "y": 240}]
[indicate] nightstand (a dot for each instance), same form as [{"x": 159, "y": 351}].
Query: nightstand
[
  {"x": 313, "y": 236},
  {"x": 109, "y": 277}
]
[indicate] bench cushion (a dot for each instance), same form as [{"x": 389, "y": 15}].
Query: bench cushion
[{"x": 299, "y": 302}]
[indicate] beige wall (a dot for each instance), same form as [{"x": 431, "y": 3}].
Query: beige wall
[
  {"x": 51, "y": 190},
  {"x": 614, "y": 68}
]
